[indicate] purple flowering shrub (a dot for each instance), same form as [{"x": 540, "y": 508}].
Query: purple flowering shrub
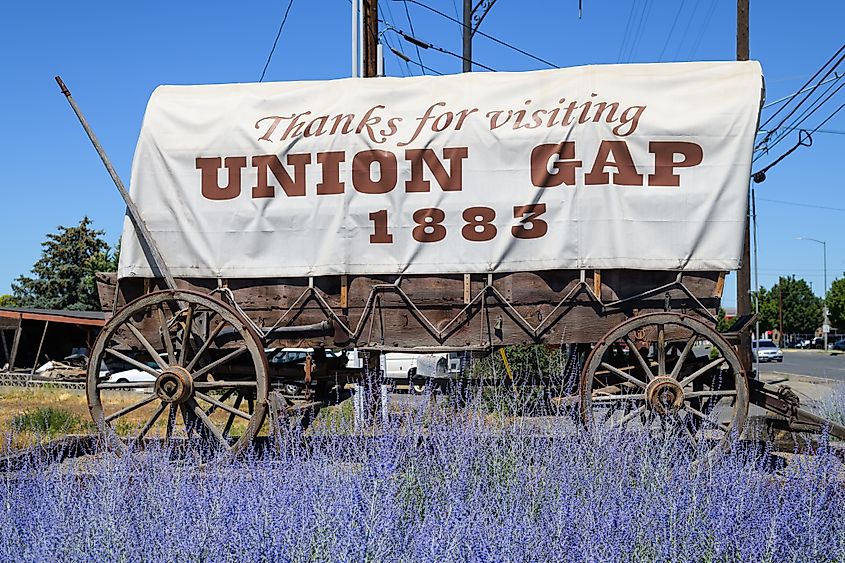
[{"x": 437, "y": 484}]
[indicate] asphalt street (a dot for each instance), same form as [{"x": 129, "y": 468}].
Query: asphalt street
[{"x": 813, "y": 363}]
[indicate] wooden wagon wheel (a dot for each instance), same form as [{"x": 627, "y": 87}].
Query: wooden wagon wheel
[
  {"x": 666, "y": 370},
  {"x": 200, "y": 366}
]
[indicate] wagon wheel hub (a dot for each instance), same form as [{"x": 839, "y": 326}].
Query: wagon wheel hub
[
  {"x": 664, "y": 395},
  {"x": 174, "y": 385}
]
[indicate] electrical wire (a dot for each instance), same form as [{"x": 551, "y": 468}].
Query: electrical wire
[
  {"x": 815, "y": 106},
  {"x": 671, "y": 30},
  {"x": 411, "y": 25},
  {"x": 646, "y": 12},
  {"x": 798, "y": 204},
  {"x": 383, "y": 34},
  {"x": 697, "y": 43},
  {"x": 804, "y": 116},
  {"x": 479, "y": 32},
  {"x": 809, "y": 94},
  {"x": 408, "y": 59},
  {"x": 627, "y": 31},
  {"x": 789, "y": 97},
  {"x": 426, "y": 45},
  {"x": 275, "y": 41}
]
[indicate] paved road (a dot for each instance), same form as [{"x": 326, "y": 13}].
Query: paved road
[{"x": 810, "y": 362}]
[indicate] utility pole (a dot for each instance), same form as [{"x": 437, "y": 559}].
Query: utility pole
[
  {"x": 467, "y": 36},
  {"x": 369, "y": 33},
  {"x": 743, "y": 282},
  {"x": 473, "y": 15}
]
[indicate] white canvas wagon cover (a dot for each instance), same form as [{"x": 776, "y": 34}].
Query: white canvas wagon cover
[{"x": 617, "y": 166}]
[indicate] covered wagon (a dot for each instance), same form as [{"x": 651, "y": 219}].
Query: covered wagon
[{"x": 597, "y": 207}]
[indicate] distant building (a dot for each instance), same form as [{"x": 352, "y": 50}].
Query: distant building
[{"x": 29, "y": 337}]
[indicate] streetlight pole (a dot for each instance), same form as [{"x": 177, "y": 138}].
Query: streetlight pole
[{"x": 825, "y": 322}]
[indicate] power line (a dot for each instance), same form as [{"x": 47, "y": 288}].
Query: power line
[
  {"x": 640, "y": 27},
  {"x": 789, "y": 97},
  {"x": 408, "y": 59},
  {"x": 275, "y": 41},
  {"x": 479, "y": 32},
  {"x": 809, "y": 94},
  {"x": 384, "y": 35},
  {"x": 806, "y": 114},
  {"x": 798, "y": 204},
  {"x": 627, "y": 30},
  {"x": 426, "y": 45},
  {"x": 411, "y": 25},
  {"x": 703, "y": 28},
  {"x": 671, "y": 30}
]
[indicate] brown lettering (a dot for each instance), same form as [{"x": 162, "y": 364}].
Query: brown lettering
[
  {"x": 626, "y": 174},
  {"x": 210, "y": 187},
  {"x": 451, "y": 182},
  {"x": 293, "y": 187},
  {"x": 330, "y": 162},
  {"x": 664, "y": 161},
  {"x": 564, "y": 170},
  {"x": 362, "y": 178}
]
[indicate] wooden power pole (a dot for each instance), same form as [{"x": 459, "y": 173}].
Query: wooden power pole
[
  {"x": 743, "y": 282},
  {"x": 370, "y": 36},
  {"x": 467, "y": 36}
]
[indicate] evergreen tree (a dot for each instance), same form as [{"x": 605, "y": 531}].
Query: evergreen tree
[
  {"x": 63, "y": 278},
  {"x": 836, "y": 304}
]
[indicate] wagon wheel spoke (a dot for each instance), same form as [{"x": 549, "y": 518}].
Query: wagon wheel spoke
[
  {"x": 685, "y": 427},
  {"x": 214, "y": 402},
  {"x": 682, "y": 358},
  {"x": 127, "y": 386},
  {"x": 707, "y": 419},
  {"x": 640, "y": 360},
  {"x": 231, "y": 418},
  {"x": 132, "y": 361},
  {"x": 629, "y": 417},
  {"x": 165, "y": 334},
  {"x": 223, "y": 398},
  {"x": 661, "y": 350},
  {"x": 131, "y": 408},
  {"x": 171, "y": 422},
  {"x": 202, "y": 349},
  {"x": 147, "y": 346},
  {"x": 624, "y": 375},
  {"x": 621, "y": 397},
  {"x": 228, "y": 357},
  {"x": 690, "y": 378},
  {"x": 186, "y": 334},
  {"x": 710, "y": 393},
  {"x": 199, "y": 412},
  {"x": 222, "y": 384},
  {"x": 146, "y": 428}
]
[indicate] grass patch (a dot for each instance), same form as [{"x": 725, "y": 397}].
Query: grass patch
[{"x": 49, "y": 421}]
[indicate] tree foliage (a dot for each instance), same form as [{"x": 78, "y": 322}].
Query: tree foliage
[
  {"x": 8, "y": 301},
  {"x": 63, "y": 278},
  {"x": 836, "y": 303},
  {"x": 801, "y": 309}
]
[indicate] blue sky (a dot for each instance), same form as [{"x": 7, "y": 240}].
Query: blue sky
[{"x": 113, "y": 54}]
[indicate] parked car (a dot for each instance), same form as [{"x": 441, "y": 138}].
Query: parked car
[
  {"x": 839, "y": 345},
  {"x": 766, "y": 351},
  {"x": 803, "y": 343}
]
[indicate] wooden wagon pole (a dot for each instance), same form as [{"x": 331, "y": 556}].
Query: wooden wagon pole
[
  {"x": 743, "y": 282},
  {"x": 146, "y": 238}
]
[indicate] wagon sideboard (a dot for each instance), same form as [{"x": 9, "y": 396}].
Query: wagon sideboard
[{"x": 451, "y": 311}]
